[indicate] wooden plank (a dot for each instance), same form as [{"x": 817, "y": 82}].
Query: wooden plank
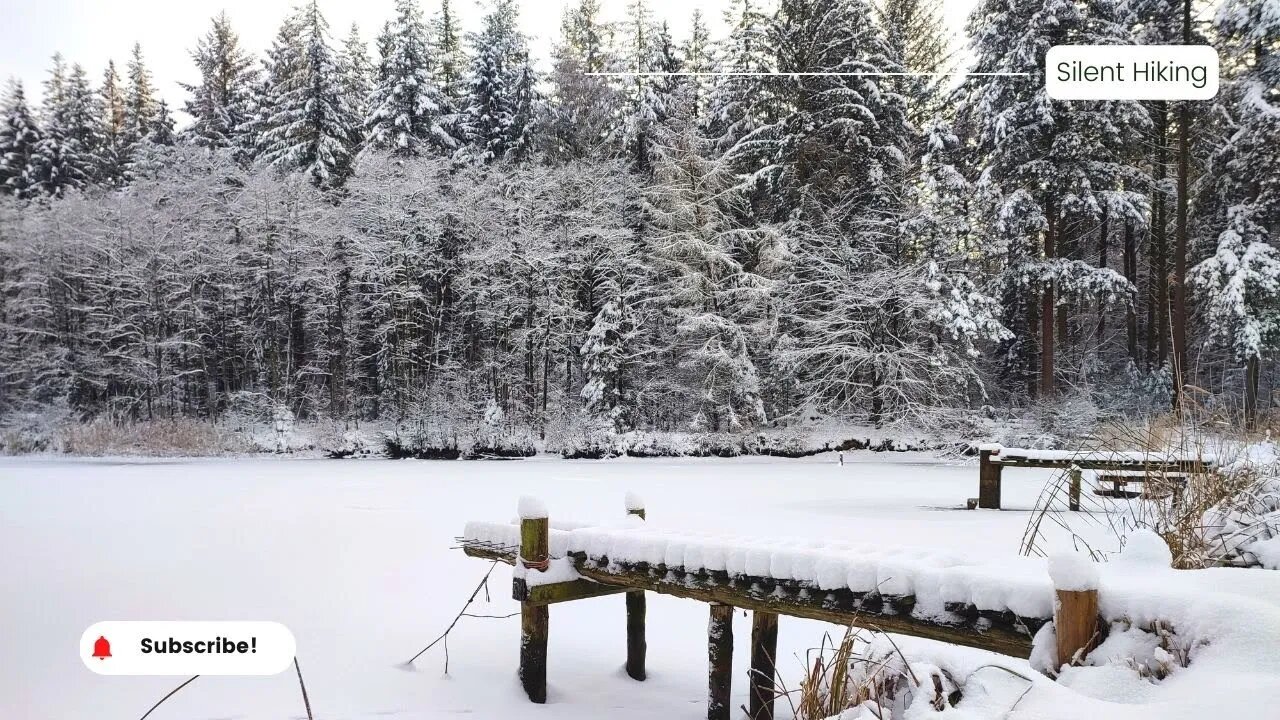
[
  {"x": 764, "y": 652},
  {"x": 998, "y": 632},
  {"x": 1086, "y": 463},
  {"x": 719, "y": 661},
  {"x": 1073, "y": 499},
  {"x": 535, "y": 620},
  {"x": 567, "y": 592}
]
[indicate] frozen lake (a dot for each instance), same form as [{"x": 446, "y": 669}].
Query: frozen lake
[{"x": 354, "y": 556}]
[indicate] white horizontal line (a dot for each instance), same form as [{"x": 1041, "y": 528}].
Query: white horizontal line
[{"x": 802, "y": 74}]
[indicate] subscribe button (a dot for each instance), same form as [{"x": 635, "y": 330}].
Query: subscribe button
[{"x": 187, "y": 648}]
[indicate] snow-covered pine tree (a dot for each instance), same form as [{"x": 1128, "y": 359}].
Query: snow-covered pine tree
[
  {"x": 499, "y": 60},
  {"x": 114, "y": 153},
  {"x": 161, "y": 131},
  {"x": 1040, "y": 162},
  {"x": 357, "y": 72},
  {"x": 741, "y": 101},
  {"x": 68, "y": 155},
  {"x": 527, "y": 113},
  {"x": 140, "y": 100},
  {"x": 408, "y": 111},
  {"x": 450, "y": 66},
  {"x": 1245, "y": 168},
  {"x": 1240, "y": 287},
  {"x": 696, "y": 251},
  {"x": 222, "y": 100},
  {"x": 915, "y": 32},
  {"x": 19, "y": 136},
  {"x": 582, "y": 121},
  {"x": 1240, "y": 193},
  {"x": 650, "y": 53},
  {"x": 310, "y": 128},
  {"x": 606, "y": 355},
  {"x": 840, "y": 136},
  {"x": 697, "y": 57}
]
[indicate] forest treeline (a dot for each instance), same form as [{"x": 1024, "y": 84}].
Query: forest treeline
[{"x": 770, "y": 226}]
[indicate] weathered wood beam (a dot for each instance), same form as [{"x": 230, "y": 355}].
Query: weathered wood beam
[
  {"x": 535, "y": 620},
  {"x": 1086, "y": 463},
  {"x": 563, "y": 591},
  {"x": 988, "y": 481},
  {"x": 1001, "y": 632},
  {"x": 637, "y": 645},
  {"x": 764, "y": 651},
  {"x": 719, "y": 661}
]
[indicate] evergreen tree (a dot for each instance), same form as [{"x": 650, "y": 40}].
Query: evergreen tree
[
  {"x": 357, "y": 72},
  {"x": 704, "y": 284},
  {"x": 141, "y": 105},
  {"x": 19, "y": 137},
  {"x": 451, "y": 61},
  {"x": 161, "y": 130},
  {"x": 114, "y": 153},
  {"x": 697, "y": 57},
  {"x": 222, "y": 100},
  {"x": 916, "y": 35},
  {"x": 1240, "y": 284},
  {"x": 67, "y": 156},
  {"x": 583, "y": 119},
  {"x": 494, "y": 122},
  {"x": 409, "y": 114},
  {"x": 1041, "y": 164},
  {"x": 308, "y": 126}
]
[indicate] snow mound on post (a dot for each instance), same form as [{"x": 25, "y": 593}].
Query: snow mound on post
[
  {"x": 1144, "y": 547},
  {"x": 531, "y": 508},
  {"x": 634, "y": 502},
  {"x": 1073, "y": 572}
]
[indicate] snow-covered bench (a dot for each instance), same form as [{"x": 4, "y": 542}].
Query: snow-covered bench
[{"x": 993, "y": 458}]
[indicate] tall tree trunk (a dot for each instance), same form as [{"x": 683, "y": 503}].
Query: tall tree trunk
[
  {"x": 1103, "y": 232},
  {"x": 1160, "y": 239},
  {"x": 1180, "y": 374},
  {"x": 1046, "y": 306},
  {"x": 1131, "y": 274},
  {"x": 1251, "y": 371}
]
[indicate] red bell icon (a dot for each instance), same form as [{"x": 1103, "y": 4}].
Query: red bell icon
[{"x": 101, "y": 648}]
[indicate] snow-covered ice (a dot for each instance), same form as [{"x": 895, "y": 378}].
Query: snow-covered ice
[{"x": 354, "y": 557}]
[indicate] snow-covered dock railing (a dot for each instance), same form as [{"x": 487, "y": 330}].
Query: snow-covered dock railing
[
  {"x": 993, "y": 458},
  {"x": 996, "y": 607}
]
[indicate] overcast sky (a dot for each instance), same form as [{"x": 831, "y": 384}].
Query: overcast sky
[{"x": 92, "y": 31}]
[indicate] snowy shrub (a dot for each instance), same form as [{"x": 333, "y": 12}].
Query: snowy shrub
[
  {"x": 33, "y": 432},
  {"x": 866, "y": 677},
  {"x": 173, "y": 437},
  {"x": 1244, "y": 528}
]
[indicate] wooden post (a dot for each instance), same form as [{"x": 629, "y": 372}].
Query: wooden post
[
  {"x": 534, "y": 619},
  {"x": 1075, "y": 614},
  {"x": 636, "y": 644},
  {"x": 719, "y": 661},
  {"x": 764, "y": 650},
  {"x": 988, "y": 481},
  {"x": 1074, "y": 500}
]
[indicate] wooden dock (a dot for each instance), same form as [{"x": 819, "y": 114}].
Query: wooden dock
[
  {"x": 993, "y": 459},
  {"x": 767, "y": 598}
]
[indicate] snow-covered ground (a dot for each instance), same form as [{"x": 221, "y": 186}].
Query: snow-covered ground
[{"x": 354, "y": 556}]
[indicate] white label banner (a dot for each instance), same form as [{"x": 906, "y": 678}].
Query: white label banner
[
  {"x": 1131, "y": 72},
  {"x": 130, "y": 647}
]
